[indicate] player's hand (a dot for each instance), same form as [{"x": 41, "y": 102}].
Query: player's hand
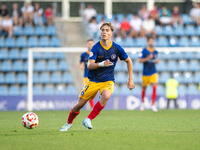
[
  {"x": 130, "y": 84},
  {"x": 107, "y": 63},
  {"x": 150, "y": 56},
  {"x": 156, "y": 61}
]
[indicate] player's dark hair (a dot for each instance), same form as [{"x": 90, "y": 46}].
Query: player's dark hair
[
  {"x": 149, "y": 37},
  {"x": 107, "y": 24},
  {"x": 90, "y": 40}
]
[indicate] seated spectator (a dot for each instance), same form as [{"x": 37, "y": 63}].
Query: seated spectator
[
  {"x": 155, "y": 14},
  {"x": 176, "y": 17},
  {"x": 88, "y": 13},
  {"x": 93, "y": 28},
  {"x": 125, "y": 28},
  {"x": 143, "y": 13},
  {"x": 148, "y": 26},
  {"x": 49, "y": 15},
  {"x": 136, "y": 24},
  {"x": 116, "y": 26},
  {"x": 195, "y": 13},
  {"x": 27, "y": 12},
  {"x": 37, "y": 15},
  {"x": 7, "y": 25},
  {"x": 3, "y": 11},
  {"x": 165, "y": 16},
  {"x": 16, "y": 15}
]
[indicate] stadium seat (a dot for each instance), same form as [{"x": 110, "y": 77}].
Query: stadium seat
[
  {"x": 48, "y": 90},
  {"x": 137, "y": 66},
  {"x": 14, "y": 90},
  {"x": 99, "y": 17},
  {"x": 129, "y": 17},
  {"x": 40, "y": 30},
  {"x": 162, "y": 41},
  {"x": 71, "y": 90},
  {"x": 10, "y": 78},
  {"x": 63, "y": 65},
  {"x": 2, "y": 42},
  {"x": 33, "y": 41},
  {"x": 186, "y": 19},
  {"x": 179, "y": 31},
  {"x": 18, "y": 65},
  {"x": 141, "y": 42},
  {"x": 121, "y": 78},
  {"x": 118, "y": 66},
  {"x": 124, "y": 90},
  {"x": 190, "y": 30},
  {"x": 3, "y": 53},
  {"x": 196, "y": 77},
  {"x": 52, "y": 65},
  {"x": 56, "y": 77},
  {"x": 155, "y": 44},
  {"x": 197, "y": 55},
  {"x": 159, "y": 30},
  {"x": 182, "y": 65},
  {"x": 60, "y": 90},
  {"x": 178, "y": 76},
  {"x": 21, "y": 42},
  {"x": 184, "y": 42},
  {"x": 37, "y": 90},
  {"x": 29, "y": 30},
  {"x": 23, "y": 90},
  {"x": 6, "y": 65},
  {"x": 120, "y": 41},
  {"x": 188, "y": 55},
  {"x": 161, "y": 90},
  {"x": 137, "y": 90},
  {"x": 136, "y": 78},
  {"x": 165, "y": 55},
  {"x": 177, "y": 55},
  {"x": 3, "y": 90},
  {"x": 193, "y": 90},
  {"x": 116, "y": 90},
  {"x": 17, "y": 31},
  {"x": 44, "y": 41},
  {"x": 129, "y": 42},
  {"x": 161, "y": 66},
  {"x": 172, "y": 65},
  {"x": 51, "y": 30},
  {"x": 21, "y": 78},
  {"x": 25, "y": 65},
  {"x": 37, "y": 55},
  {"x": 1, "y": 78},
  {"x": 198, "y": 30},
  {"x": 182, "y": 89},
  {"x": 193, "y": 65},
  {"x": 35, "y": 78},
  {"x": 163, "y": 77},
  {"x": 173, "y": 42},
  {"x": 55, "y": 42},
  {"x": 44, "y": 77},
  {"x": 67, "y": 78},
  {"x": 40, "y": 65},
  {"x": 48, "y": 55},
  {"x": 59, "y": 55},
  {"x": 194, "y": 41},
  {"x": 10, "y": 42},
  {"x": 168, "y": 31},
  {"x": 188, "y": 78},
  {"x": 120, "y": 17},
  {"x": 24, "y": 54},
  {"x": 109, "y": 18},
  {"x": 133, "y": 56},
  {"x": 14, "y": 53}
]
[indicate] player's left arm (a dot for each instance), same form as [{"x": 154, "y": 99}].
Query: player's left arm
[{"x": 130, "y": 83}]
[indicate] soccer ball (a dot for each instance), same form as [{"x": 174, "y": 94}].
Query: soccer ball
[{"x": 30, "y": 120}]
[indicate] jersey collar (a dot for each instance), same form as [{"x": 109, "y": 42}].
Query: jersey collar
[
  {"x": 150, "y": 49},
  {"x": 106, "y": 48}
]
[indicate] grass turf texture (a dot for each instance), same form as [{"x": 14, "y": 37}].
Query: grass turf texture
[{"x": 167, "y": 129}]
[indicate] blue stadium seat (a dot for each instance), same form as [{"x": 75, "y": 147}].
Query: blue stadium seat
[
  {"x": 165, "y": 55},
  {"x": 159, "y": 30},
  {"x": 120, "y": 41},
  {"x": 44, "y": 41},
  {"x": 45, "y": 77},
  {"x": 186, "y": 19},
  {"x": 188, "y": 55},
  {"x": 194, "y": 41},
  {"x": 168, "y": 31},
  {"x": 33, "y": 41},
  {"x": 190, "y": 30},
  {"x": 17, "y": 31},
  {"x": 40, "y": 30},
  {"x": 133, "y": 56},
  {"x": 48, "y": 55},
  {"x": 178, "y": 77},
  {"x": 1, "y": 78},
  {"x": 129, "y": 17},
  {"x": 55, "y": 42},
  {"x": 3, "y": 53},
  {"x": 10, "y": 78},
  {"x": 71, "y": 90},
  {"x": 123, "y": 66},
  {"x": 155, "y": 42},
  {"x": 137, "y": 66},
  {"x": 161, "y": 66},
  {"x": 184, "y": 41},
  {"x": 116, "y": 90},
  {"x": 37, "y": 55},
  {"x": 6, "y": 65},
  {"x": 121, "y": 78},
  {"x": 59, "y": 55},
  {"x": 51, "y": 30},
  {"x": 177, "y": 55},
  {"x": 60, "y": 90},
  {"x": 179, "y": 31},
  {"x": 21, "y": 42},
  {"x": 118, "y": 67},
  {"x": 182, "y": 89},
  {"x": 10, "y": 42},
  {"x": 193, "y": 90},
  {"x": 23, "y": 90},
  {"x": 24, "y": 54},
  {"x": 3, "y": 90},
  {"x": 196, "y": 78},
  {"x": 56, "y": 77},
  {"x": 63, "y": 65},
  {"x": 14, "y": 90},
  {"x": 29, "y": 30},
  {"x": 18, "y": 65},
  {"x": 173, "y": 42},
  {"x": 182, "y": 65},
  {"x": 136, "y": 78},
  {"x": 52, "y": 65},
  {"x": 99, "y": 17},
  {"x": 2, "y": 42},
  {"x": 172, "y": 65},
  {"x": 35, "y": 78},
  {"x": 137, "y": 90},
  {"x": 40, "y": 65},
  {"x": 25, "y": 65},
  {"x": 129, "y": 42},
  {"x": 197, "y": 55},
  {"x": 120, "y": 17},
  {"x": 162, "y": 41},
  {"x": 37, "y": 90},
  {"x": 14, "y": 53},
  {"x": 163, "y": 77},
  {"x": 124, "y": 90},
  {"x": 161, "y": 89},
  {"x": 198, "y": 30},
  {"x": 188, "y": 78},
  {"x": 21, "y": 78},
  {"x": 193, "y": 65},
  {"x": 109, "y": 18},
  {"x": 67, "y": 78},
  {"x": 48, "y": 90},
  {"x": 141, "y": 42}
]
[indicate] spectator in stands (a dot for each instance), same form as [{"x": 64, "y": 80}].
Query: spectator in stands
[
  {"x": 125, "y": 28},
  {"x": 165, "y": 16},
  {"x": 176, "y": 17},
  {"x": 49, "y": 15},
  {"x": 37, "y": 16},
  {"x": 195, "y": 13},
  {"x": 27, "y": 12},
  {"x": 16, "y": 15},
  {"x": 92, "y": 28},
  {"x": 136, "y": 24},
  {"x": 88, "y": 13},
  {"x": 3, "y": 11},
  {"x": 148, "y": 26},
  {"x": 143, "y": 13},
  {"x": 155, "y": 14},
  {"x": 116, "y": 26},
  {"x": 100, "y": 23},
  {"x": 7, "y": 25}
]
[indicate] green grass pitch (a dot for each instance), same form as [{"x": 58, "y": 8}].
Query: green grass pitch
[{"x": 112, "y": 130}]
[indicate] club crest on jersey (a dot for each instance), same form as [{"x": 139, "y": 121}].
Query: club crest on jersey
[
  {"x": 91, "y": 54},
  {"x": 113, "y": 56},
  {"x": 82, "y": 93}
]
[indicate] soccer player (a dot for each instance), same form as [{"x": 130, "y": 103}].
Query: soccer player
[
  {"x": 148, "y": 57},
  {"x": 102, "y": 60},
  {"x": 83, "y": 65}
]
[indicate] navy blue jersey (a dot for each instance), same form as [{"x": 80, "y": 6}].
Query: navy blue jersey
[
  {"x": 84, "y": 59},
  {"x": 149, "y": 67},
  {"x": 100, "y": 53}
]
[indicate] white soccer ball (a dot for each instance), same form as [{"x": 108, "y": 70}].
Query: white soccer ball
[{"x": 30, "y": 120}]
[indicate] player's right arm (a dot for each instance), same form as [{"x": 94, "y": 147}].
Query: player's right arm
[
  {"x": 92, "y": 65},
  {"x": 142, "y": 60}
]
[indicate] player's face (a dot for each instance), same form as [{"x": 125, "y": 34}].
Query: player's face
[
  {"x": 89, "y": 45},
  {"x": 150, "y": 42},
  {"x": 106, "y": 33}
]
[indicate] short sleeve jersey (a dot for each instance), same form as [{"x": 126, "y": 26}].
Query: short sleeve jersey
[
  {"x": 99, "y": 53},
  {"x": 84, "y": 59},
  {"x": 149, "y": 67}
]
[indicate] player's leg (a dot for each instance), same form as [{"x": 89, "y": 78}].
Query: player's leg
[
  {"x": 154, "y": 97},
  {"x": 168, "y": 100},
  {"x": 85, "y": 81},
  {"x": 91, "y": 103},
  {"x": 144, "y": 85}
]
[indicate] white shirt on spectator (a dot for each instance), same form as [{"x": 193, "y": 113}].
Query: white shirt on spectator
[
  {"x": 116, "y": 25},
  {"x": 39, "y": 12},
  {"x": 89, "y": 13},
  {"x": 28, "y": 10},
  {"x": 6, "y": 23},
  {"x": 195, "y": 12},
  {"x": 136, "y": 24},
  {"x": 148, "y": 25}
]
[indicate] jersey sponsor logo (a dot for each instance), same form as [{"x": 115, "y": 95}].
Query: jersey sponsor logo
[
  {"x": 113, "y": 56},
  {"x": 91, "y": 54}
]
